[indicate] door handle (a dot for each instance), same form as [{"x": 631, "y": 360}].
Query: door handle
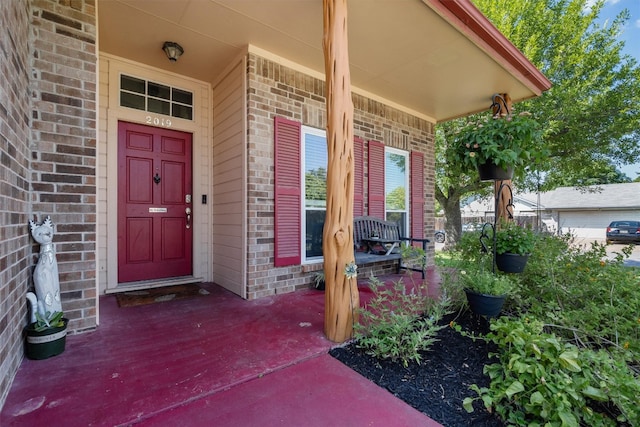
[{"x": 188, "y": 212}]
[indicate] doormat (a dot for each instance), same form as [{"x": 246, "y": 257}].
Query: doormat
[{"x": 163, "y": 294}]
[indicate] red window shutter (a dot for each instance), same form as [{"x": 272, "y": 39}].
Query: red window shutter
[
  {"x": 417, "y": 195},
  {"x": 287, "y": 192},
  {"x": 376, "y": 179},
  {"x": 358, "y": 177}
]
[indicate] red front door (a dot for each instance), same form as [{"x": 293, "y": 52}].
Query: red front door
[{"x": 155, "y": 229}]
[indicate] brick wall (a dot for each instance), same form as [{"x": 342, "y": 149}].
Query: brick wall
[
  {"x": 275, "y": 90},
  {"x": 15, "y": 246},
  {"x": 63, "y": 145}
]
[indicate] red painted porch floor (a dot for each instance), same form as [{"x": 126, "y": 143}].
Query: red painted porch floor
[{"x": 215, "y": 360}]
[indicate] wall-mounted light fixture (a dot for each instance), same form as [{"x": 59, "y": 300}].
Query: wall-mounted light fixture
[{"x": 173, "y": 50}]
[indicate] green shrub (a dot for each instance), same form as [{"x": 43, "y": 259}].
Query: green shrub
[
  {"x": 543, "y": 380},
  {"x": 469, "y": 248},
  {"x": 585, "y": 297},
  {"x": 399, "y": 322},
  {"x": 578, "y": 362}
]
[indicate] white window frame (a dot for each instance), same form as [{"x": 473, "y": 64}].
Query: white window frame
[
  {"x": 407, "y": 175},
  {"x": 306, "y": 130}
]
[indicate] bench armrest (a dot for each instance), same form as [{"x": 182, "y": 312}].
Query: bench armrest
[{"x": 415, "y": 239}]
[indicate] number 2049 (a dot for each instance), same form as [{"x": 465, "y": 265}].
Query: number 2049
[{"x": 158, "y": 121}]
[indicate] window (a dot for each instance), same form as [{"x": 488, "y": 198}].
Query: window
[
  {"x": 155, "y": 98},
  {"x": 300, "y": 162},
  {"x": 396, "y": 184},
  {"x": 314, "y": 182}
]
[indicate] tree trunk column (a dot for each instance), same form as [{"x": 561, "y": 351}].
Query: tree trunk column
[
  {"x": 341, "y": 294},
  {"x": 504, "y": 205},
  {"x": 501, "y": 109}
]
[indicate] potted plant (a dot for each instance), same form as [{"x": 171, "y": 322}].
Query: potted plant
[
  {"x": 485, "y": 291},
  {"x": 495, "y": 144},
  {"x": 513, "y": 246},
  {"x": 318, "y": 280},
  {"x": 46, "y": 337}
]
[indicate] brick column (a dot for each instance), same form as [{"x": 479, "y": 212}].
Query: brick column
[{"x": 63, "y": 144}]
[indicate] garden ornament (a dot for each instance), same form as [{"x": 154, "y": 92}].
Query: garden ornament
[{"x": 45, "y": 276}]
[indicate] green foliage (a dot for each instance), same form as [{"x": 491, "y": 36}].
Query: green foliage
[
  {"x": 443, "y": 258},
  {"x": 465, "y": 256},
  {"x": 399, "y": 322},
  {"x": 589, "y": 114},
  {"x": 483, "y": 281},
  {"x": 316, "y": 184},
  {"x": 602, "y": 172},
  {"x": 318, "y": 279},
  {"x": 468, "y": 247},
  {"x": 396, "y": 199},
  {"x": 591, "y": 111},
  {"x": 48, "y": 320},
  {"x": 572, "y": 354},
  {"x": 589, "y": 299},
  {"x": 507, "y": 141},
  {"x": 542, "y": 380},
  {"x": 512, "y": 238},
  {"x": 413, "y": 256}
]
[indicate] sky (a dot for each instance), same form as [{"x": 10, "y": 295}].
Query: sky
[{"x": 631, "y": 38}]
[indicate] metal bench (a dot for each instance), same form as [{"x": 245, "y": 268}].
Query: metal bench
[{"x": 378, "y": 240}]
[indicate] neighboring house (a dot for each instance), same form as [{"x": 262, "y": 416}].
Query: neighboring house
[
  {"x": 210, "y": 167},
  {"x": 583, "y": 212},
  {"x": 587, "y": 212}
]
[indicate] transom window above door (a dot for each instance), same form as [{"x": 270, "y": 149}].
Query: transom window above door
[{"x": 155, "y": 97}]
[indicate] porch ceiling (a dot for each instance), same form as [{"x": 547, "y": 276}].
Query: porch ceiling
[{"x": 439, "y": 58}]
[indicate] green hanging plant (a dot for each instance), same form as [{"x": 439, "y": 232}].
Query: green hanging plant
[{"x": 505, "y": 141}]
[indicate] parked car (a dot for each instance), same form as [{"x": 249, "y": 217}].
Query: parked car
[
  {"x": 440, "y": 236},
  {"x": 623, "y": 231},
  {"x": 472, "y": 226}
]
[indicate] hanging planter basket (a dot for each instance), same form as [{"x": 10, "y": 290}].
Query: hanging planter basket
[
  {"x": 485, "y": 305},
  {"x": 490, "y": 172},
  {"x": 511, "y": 263},
  {"x": 44, "y": 344}
]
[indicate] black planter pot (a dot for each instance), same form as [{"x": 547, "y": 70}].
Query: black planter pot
[
  {"x": 485, "y": 305},
  {"x": 47, "y": 343},
  {"x": 511, "y": 263},
  {"x": 490, "y": 172}
]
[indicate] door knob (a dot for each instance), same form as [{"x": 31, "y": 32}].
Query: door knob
[{"x": 188, "y": 212}]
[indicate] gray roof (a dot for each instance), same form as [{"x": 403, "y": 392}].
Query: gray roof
[{"x": 610, "y": 196}]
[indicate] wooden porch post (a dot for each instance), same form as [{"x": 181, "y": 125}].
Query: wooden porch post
[
  {"x": 501, "y": 108},
  {"x": 341, "y": 294}
]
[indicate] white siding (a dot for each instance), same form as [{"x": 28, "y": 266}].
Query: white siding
[
  {"x": 229, "y": 181},
  {"x": 101, "y": 175},
  {"x": 109, "y": 113}
]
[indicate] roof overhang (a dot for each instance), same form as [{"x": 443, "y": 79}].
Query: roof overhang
[{"x": 440, "y": 59}]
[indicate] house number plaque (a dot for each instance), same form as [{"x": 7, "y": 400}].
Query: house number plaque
[
  {"x": 158, "y": 121},
  {"x": 157, "y": 210}
]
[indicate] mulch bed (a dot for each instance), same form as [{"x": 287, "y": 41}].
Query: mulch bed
[{"x": 439, "y": 384}]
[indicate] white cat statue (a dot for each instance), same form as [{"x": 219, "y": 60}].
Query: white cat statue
[{"x": 45, "y": 275}]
